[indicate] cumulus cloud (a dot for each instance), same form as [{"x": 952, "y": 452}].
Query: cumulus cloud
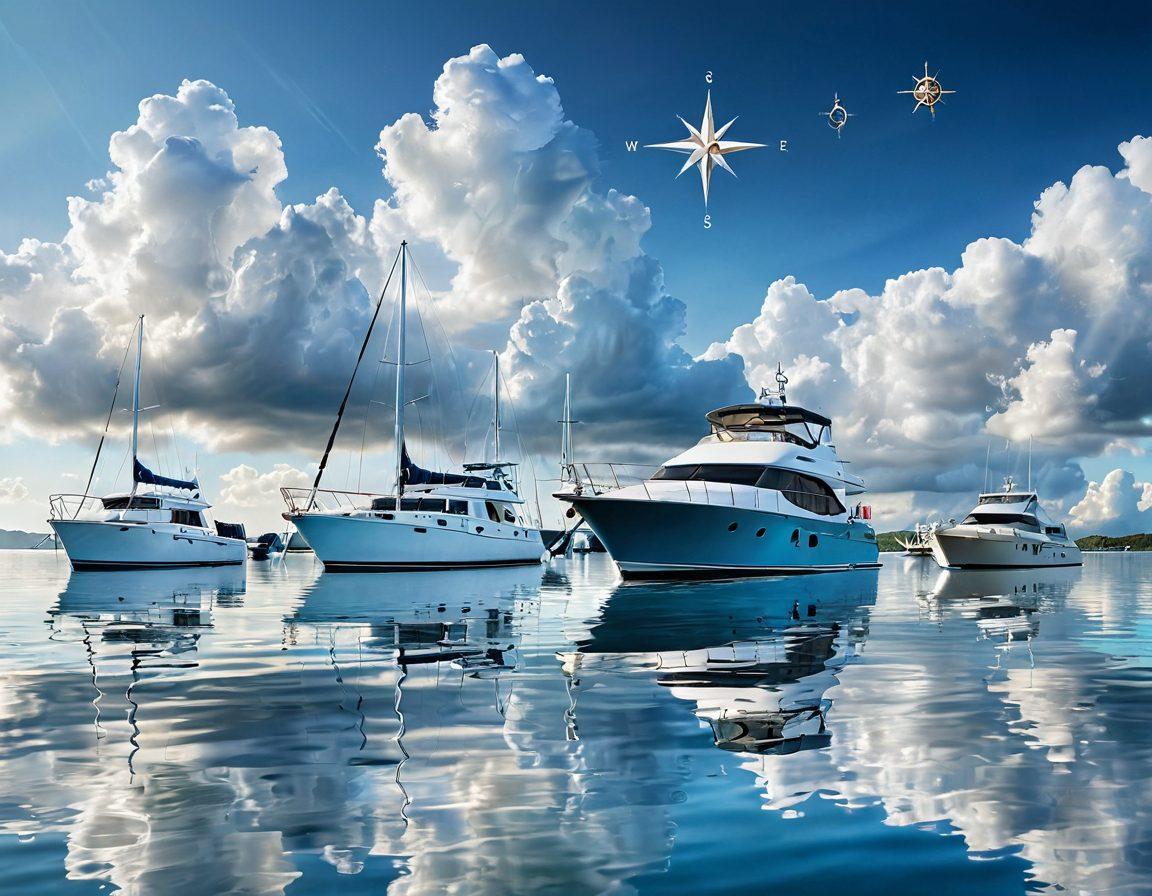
[
  {"x": 256, "y": 309},
  {"x": 1046, "y": 339},
  {"x": 1117, "y": 505},
  {"x": 12, "y": 490},
  {"x": 244, "y": 486}
]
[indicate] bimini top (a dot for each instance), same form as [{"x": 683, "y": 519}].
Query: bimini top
[
  {"x": 746, "y": 421},
  {"x": 759, "y": 416}
]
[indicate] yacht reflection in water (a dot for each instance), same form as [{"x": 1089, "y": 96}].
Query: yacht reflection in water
[
  {"x": 756, "y": 657},
  {"x": 1004, "y": 603}
]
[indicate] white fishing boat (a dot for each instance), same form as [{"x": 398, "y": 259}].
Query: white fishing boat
[
  {"x": 161, "y": 522},
  {"x": 765, "y": 493},
  {"x": 431, "y": 520},
  {"x": 1006, "y": 529}
]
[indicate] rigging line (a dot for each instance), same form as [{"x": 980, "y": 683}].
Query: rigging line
[
  {"x": 520, "y": 447},
  {"x": 162, "y": 396},
  {"x": 108, "y": 422},
  {"x": 472, "y": 408},
  {"x": 351, "y": 380}
]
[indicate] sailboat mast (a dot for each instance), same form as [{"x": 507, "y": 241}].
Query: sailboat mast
[
  {"x": 566, "y": 429},
  {"x": 136, "y": 399},
  {"x": 496, "y": 402},
  {"x": 400, "y": 365}
]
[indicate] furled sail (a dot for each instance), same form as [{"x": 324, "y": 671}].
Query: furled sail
[
  {"x": 141, "y": 473},
  {"x": 414, "y": 475}
]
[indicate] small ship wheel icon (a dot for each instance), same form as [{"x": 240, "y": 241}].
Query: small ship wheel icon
[
  {"x": 927, "y": 91},
  {"x": 837, "y": 116}
]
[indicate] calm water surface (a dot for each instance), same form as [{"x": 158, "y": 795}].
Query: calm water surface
[{"x": 550, "y": 730}]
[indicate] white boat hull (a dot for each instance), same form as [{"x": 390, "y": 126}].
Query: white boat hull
[
  {"x": 98, "y": 544},
  {"x": 371, "y": 543},
  {"x": 988, "y": 547}
]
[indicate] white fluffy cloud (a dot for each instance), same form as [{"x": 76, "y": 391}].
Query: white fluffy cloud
[
  {"x": 244, "y": 486},
  {"x": 12, "y": 490},
  {"x": 1117, "y": 505},
  {"x": 1046, "y": 339},
  {"x": 256, "y": 309}
]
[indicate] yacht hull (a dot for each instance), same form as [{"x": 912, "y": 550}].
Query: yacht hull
[
  {"x": 669, "y": 539},
  {"x": 96, "y": 545},
  {"x": 980, "y": 547},
  {"x": 374, "y": 544}
]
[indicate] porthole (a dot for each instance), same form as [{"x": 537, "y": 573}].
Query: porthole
[
  {"x": 420, "y": 530},
  {"x": 732, "y": 527},
  {"x": 760, "y": 533},
  {"x": 441, "y": 522},
  {"x": 479, "y": 529},
  {"x": 813, "y": 541},
  {"x": 795, "y": 537}
]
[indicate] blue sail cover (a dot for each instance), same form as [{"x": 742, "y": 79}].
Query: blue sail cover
[
  {"x": 141, "y": 473},
  {"x": 414, "y": 475}
]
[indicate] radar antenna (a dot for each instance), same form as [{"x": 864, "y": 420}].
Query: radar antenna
[{"x": 777, "y": 396}]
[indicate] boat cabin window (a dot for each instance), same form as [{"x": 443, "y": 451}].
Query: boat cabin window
[
  {"x": 806, "y": 492},
  {"x": 460, "y": 507},
  {"x": 130, "y": 503},
  {"x": 509, "y": 516},
  {"x": 734, "y": 474},
  {"x": 493, "y": 513},
  {"x": 1001, "y": 519},
  {"x": 188, "y": 518},
  {"x": 1003, "y": 499}
]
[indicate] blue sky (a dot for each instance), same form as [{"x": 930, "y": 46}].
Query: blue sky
[{"x": 1041, "y": 91}]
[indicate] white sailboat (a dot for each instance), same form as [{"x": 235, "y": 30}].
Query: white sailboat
[
  {"x": 144, "y": 528},
  {"x": 431, "y": 520}
]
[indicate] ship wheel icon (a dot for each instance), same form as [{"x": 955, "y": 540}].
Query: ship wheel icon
[
  {"x": 837, "y": 116},
  {"x": 927, "y": 91}
]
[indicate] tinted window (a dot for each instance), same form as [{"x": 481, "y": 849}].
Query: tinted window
[
  {"x": 684, "y": 471},
  {"x": 734, "y": 474},
  {"x": 428, "y": 505},
  {"x": 806, "y": 492},
  {"x": 509, "y": 517},
  {"x": 127, "y": 503},
  {"x": 460, "y": 507},
  {"x": 187, "y": 518},
  {"x": 493, "y": 513},
  {"x": 1001, "y": 519}
]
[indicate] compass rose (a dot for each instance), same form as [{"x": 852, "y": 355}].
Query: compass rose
[
  {"x": 927, "y": 91},
  {"x": 706, "y": 147},
  {"x": 837, "y": 116}
]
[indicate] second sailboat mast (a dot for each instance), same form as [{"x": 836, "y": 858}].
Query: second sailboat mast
[{"x": 400, "y": 364}]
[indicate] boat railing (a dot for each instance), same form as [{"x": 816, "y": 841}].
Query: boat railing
[
  {"x": 70, "y": 507},
  {"x": 324, "y": 500},
  {"x": 597, "y": 479}
]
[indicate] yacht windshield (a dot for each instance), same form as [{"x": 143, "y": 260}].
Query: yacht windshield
[
  {"x": 1002, "y": 519},
  {"x": 806, "y": 492}
]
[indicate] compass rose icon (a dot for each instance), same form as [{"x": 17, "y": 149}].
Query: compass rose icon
[
  {"x": 837, "y": 116},
  {"x": 927, "y": 91},
  {"x": 706, "y": 147}
]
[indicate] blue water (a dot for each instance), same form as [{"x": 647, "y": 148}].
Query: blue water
[{"x": 550, "y": 730}]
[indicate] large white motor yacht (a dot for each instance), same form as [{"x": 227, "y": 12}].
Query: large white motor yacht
[
  {"x": 764, "y": 493},
  {"x": 431, "y": 520},
  {"x": 160, "y": 522},
  {"x": 1006, "y": 529}
]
